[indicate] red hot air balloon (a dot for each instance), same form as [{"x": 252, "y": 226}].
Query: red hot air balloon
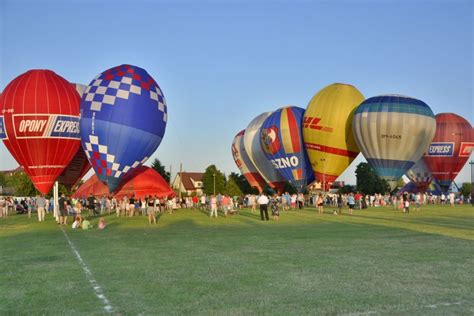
[
  {"x": 450, "y": 149},
  {"x": 41, "y": 118}
]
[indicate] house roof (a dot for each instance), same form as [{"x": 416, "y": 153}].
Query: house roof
[
  {"x": 186, "y": 179},
  {"x": 19, "y": 168}
]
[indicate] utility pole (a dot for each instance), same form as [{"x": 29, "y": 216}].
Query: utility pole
[
  {"x": 180, "y": 179},
  {"x": 214, "y": 175}
]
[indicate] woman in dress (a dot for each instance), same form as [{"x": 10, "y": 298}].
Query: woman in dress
[{"x": 274, "y": 207}]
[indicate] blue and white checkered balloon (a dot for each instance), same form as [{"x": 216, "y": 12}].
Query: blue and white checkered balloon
[{"x": 123, "y": 120}]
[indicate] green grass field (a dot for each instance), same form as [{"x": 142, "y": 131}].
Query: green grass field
[{"x": 377, "y": 261}]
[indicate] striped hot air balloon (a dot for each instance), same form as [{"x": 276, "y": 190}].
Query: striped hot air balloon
[
  {"x": 450, "y": 149},
  {"x": 282, "y": 143},
  {"x": 244, "y": 163},
  {"x": 393, "y": 132},
  {"x": 41, "y": 117},
  {"x": 327, "y": 130},
  {"x": 420, "y": 175},
  {"x": 256, "y": 154}
]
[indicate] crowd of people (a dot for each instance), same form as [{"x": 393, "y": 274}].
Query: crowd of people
[{"x": 226, "y": 205}]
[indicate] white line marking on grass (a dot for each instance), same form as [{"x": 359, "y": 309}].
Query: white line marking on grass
[
  {"x": 98, "y": 290},
  {"x": 443, "y": 304}
]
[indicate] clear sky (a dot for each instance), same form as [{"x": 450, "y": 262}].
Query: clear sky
[{"x": 221, "y": 63}]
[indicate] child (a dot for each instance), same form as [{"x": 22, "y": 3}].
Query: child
[
  {"x": 77, "y": 222},
  {"x": 101, "y": 224}
]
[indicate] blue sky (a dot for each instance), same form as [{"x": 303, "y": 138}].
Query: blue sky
[{"x": 221, "y": 63}]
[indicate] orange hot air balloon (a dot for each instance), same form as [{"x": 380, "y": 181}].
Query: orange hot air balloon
[{"x": 327, "y": 130}]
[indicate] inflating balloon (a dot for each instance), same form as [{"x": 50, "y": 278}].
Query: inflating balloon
[
  {"x": 327, "y": 130},
  {"x": 41, "y": 120},
  {"x": 282, "y": 142},
  {"x": 450, "y": 149},
  {"x": 244, "y": 163},
  {"x": 420, "y": 175},
  {"x": 123, "y": 120},
  {"x": 256, "y": 154},
  {"x": 393, "y": 132}
]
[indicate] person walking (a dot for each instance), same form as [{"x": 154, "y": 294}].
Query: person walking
[
  {"x": 62, "y": 210},
  {"x": 263, "y": 202},
  {"x": 150, "y": 202},
  {"x": 41, "y": 204},
  {"x": 274, "y": 206}
]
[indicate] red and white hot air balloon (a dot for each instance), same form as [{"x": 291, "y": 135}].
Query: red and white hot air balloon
[{"x": 41, "y": 119}]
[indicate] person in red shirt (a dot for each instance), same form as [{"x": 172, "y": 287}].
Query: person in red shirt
[{"x": 358, "y": 198}]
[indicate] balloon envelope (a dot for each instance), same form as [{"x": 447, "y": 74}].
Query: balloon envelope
[
  {"x": 392, "y": 133},
  {"x": 450, "y": 149},
  {"x": 282, "y": 142},
  {"x": 41, "y": 118},
  {"x": 420, "y": 175},
  {"x": 253, "y": 147},
  {"x": 327, "y": 130},
  {"x": 244, "y": 163},
  {"x": 123, "y": 121},
  {"x": 79, "y": 165}
]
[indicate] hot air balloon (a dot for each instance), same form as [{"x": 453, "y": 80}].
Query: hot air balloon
[
  {"x": 255, "y": 152},
  {"x": 450, "y": 149},
  {"x": 123, "y": 120},
  {"x": 244, "y": 163},
  {"x": 41, "y": 114},
  {"x": 327, "y": 130},
  {"x": 420, "y": 175},
  {"x": 79, "y": 165},
  {"x": 282, "y": 142},
  {"x": 393, "y": 132}
]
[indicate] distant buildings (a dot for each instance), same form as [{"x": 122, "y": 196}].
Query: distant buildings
[{"x": 189, "y": 183}]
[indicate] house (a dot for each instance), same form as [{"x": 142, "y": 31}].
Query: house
[
  {"x": 190, "y": 183},
  {"x": 9, "y": 173}
]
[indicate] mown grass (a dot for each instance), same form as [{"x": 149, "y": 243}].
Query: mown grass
[{"x": 376, "y": 261}]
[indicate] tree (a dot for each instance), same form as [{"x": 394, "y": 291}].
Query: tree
[
  {"x": 289, "y": 188},
  {"x": 368, "y": 182},
  {"x": 242, "y": 183},
  {"x": 3, "y": 179},
  {"x": 231, "y": 188},
  {"x": 22, "y": 184},
  {"x": 208, "y": 180},
  {"x": 466, "y": 189},
  {"x": 156, "y": 164}
]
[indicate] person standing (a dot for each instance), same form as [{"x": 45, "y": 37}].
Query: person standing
[
  {"x": 150, "y": 202},
  {"x": 351, "y": 202},
  {"x": 274, "y": 206},
  {"x": 263, "y": 202},
  {"x": 62, "y": 210},
  {"x": 213, "y": 202},
  {"x": 320, "y": 203},
  {"x": 41, "y": 204}
]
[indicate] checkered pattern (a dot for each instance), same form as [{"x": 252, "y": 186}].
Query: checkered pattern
[
  {"x": 120, "y": 82},
  {"x": 103, "y": 162}
]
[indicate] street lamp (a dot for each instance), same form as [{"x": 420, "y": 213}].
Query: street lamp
[
  {"x": 214, "y": 176},
  {"x": 471, "y": 163}
]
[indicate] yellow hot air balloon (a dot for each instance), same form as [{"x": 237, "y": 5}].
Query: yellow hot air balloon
[{"x": 327, "y": 130}]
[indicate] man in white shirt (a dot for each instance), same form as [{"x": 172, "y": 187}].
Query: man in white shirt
[{"x": 263, "y": 202}]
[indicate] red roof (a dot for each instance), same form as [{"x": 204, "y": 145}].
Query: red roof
[{"x": 186, "y": 179}]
